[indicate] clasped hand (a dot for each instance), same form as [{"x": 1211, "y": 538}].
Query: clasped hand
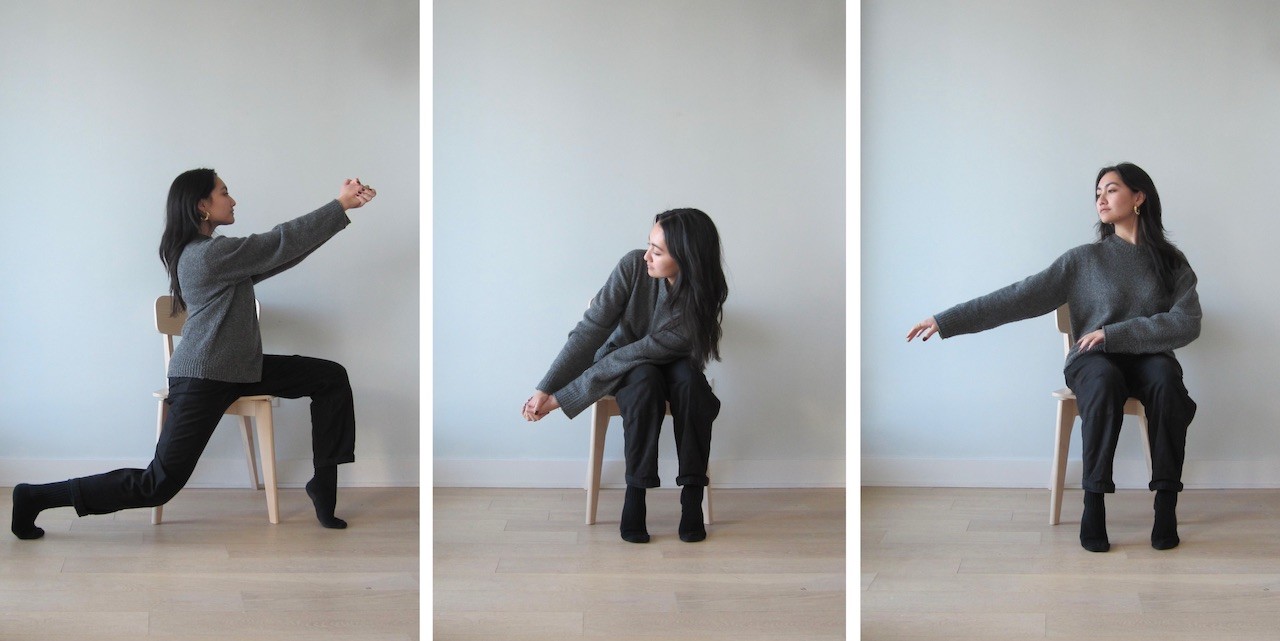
[
  {"x": 538, "y": 406},
  {"x": 354, "y": 195}
]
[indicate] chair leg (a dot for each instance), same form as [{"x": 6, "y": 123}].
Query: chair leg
[
  {"x": 246, "y": 435},
  {"x": 595, "y": 459},
  {"x": 1066, "y": 419},
  {"x": 267, "y": 443},
  {"x": 706, "y": 505},
  {"x": 1141, "y": 413},
  {"x": 157, "y": 512}
]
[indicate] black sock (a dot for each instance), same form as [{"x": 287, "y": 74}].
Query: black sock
[
  {"x": 691, "y": 528},
  {"x": 323, "y": 490},
  {"x": 1164, "y": 533},
  {"x": 29, "y": 500},
  {"x": 1093, "y": 524},
  {"x": 633, "y": 515}
]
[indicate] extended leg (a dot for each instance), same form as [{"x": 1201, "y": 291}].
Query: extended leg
[{"x": 196, "y": 406}]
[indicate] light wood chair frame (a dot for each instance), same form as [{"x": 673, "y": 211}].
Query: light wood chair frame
[
  {"x": 601, "y": 412},
  {"x": 254, "y": 411},
  {"x": 1068, "y": 410}
]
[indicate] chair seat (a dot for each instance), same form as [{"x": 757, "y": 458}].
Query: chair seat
[{"x": 164, "y": 393}]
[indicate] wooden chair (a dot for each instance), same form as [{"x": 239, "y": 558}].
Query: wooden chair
[
  {"x": 250, "y": 409},
  {"x": 601, "y": 412},
  {"x": 1067, "y": 413}
]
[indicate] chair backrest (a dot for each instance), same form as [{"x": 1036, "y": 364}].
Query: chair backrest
[
  {"x": 171, "y": 326},
  {"x": 168, "y": 326},
  {"x": 1064, "y": 327}
]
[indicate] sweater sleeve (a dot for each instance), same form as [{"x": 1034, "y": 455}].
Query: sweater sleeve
[
  {"x": 602, "y": 315},
  {"x": 1033, "y": 296},
  {"x": 575, "y": 378},
  {"x": 260, "y": 256},
  {"x": 1163, "y": 332},
  {"x": 658, "y": 347}
]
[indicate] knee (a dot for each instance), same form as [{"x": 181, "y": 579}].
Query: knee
[
  {"x": 334, "y": 376},
  {"x": 1102, "y": 384},
  {"x": 158, "y": 493},
  {"x": 644, "y": 383}
]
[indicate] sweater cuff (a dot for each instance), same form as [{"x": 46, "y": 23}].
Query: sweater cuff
[
  {"x": 946, "y": 321},
  {"x": 572, "y": 400}
]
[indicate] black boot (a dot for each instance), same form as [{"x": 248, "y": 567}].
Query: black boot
[
  {"x": 1164, "y": 533},
  {"x": 691, "y": 528},
  {"x": 1093, "y": 524},
  {"x": 633, "y": 516}
]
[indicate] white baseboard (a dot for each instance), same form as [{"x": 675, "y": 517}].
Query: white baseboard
[
  {"x": 573, "y": 472},
  {"x": 1034, "y": 473},
  {"x": 218, "y": 473}
]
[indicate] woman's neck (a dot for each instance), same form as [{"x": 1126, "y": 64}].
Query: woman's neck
[{"x": 1128, "y": 233}]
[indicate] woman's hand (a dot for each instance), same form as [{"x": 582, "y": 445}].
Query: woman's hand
[
  {"x": 354, "y": 195},
  {"x": 1091, "y": 340},
  {"x": 538, "y": 406},
  {"x": 924, "y": 329}
]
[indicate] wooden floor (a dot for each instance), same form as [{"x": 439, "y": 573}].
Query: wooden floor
[
  {"x": 962, "y": 564},
  {"x": 519, "y": 565},
  {"x": 215, "y": 569}
]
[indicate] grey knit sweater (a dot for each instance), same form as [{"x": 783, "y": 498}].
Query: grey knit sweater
[
  {"x": 1110, "y": 284},
  {"x": 221, "y": 340},
  {"x": 625, "y": 326}
]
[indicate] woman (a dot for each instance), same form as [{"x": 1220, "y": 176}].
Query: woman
[
  {"x": 1133, "y": 301},
  {"x": 220, "y": 356},
  {"x": 646, "y": 338}
]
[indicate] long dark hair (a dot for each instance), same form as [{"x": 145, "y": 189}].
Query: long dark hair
[
  {"x": 182, "y": 224},
  {"x": 1167, "y": 258},
  {"x": 698, "y": 295}
]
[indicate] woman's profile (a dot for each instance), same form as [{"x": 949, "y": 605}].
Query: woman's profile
[
  {"x": 1133, "y": 300},
  {"x": 646, "y": 338},
  {"x": 220, "y": 356}
]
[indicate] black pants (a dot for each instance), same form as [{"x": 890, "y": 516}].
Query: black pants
[
  {"x": 642, "y": 397},
  {"x": 197, "y": 405},
  {"x": 1102, "y": 383}
]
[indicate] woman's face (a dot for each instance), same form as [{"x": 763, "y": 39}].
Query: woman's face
[
  {"x": 658, "y": 259},
  {"x": 1115, "y": 201},
  {"x": 219, "y": 205}
]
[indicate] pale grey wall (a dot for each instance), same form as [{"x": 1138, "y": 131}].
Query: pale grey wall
[
  {"x": 102, "y": 104},
  {"x": 561, "y": 128},
  {"x": 984, "y": 123}
]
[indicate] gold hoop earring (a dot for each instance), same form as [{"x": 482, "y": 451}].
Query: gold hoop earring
[
  {"x": 204, "y": 216},
  {"x": 1135, "y": 211}
]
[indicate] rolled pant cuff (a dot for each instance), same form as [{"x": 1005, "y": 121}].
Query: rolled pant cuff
[
  {"x": 645, "y": 483},
  {"x": 1109, "y": 488},
  {"x": 693, "y": 479},
  {"x": 1176, "y": 486},
  {"x": 330, "y": 462},
  {"x": 76, "y": 500}
]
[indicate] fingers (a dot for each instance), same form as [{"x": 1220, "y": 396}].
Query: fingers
[
  {"x": 532, "y": 408},
  {"x": 924, "y": 329},
  {"x": 1091, "y": 340}
]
